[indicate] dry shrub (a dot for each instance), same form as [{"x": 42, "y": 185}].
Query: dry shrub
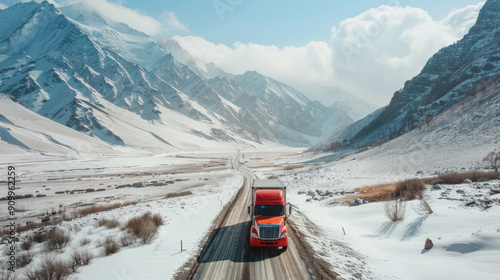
[
  {"x": 410, "y": 189},
  {"x": 92, "y": 209},
  {"x": 24, "y": 258},
  {"x": 85, "y": 241},
  {"x": 49, "y": 269},
  {"x": 144, "y": 227},
  {"x": 110, "y": 246},
  {"x": 424, "y": 208},
  {"x": 147, "y": 232},
  {"x": 157, "y": 220},
  {"x": 127, "y": 239},
  {"x": 395, "y": 209},
  {"x": 27, "y": 243},
  {"x": 112, "y": 223},
  {"x": 80, "y": 258},
  {"x": 40, "y": 236},
  {"x": 57, "y": 239},
  {"x": 5, "y": 273}
]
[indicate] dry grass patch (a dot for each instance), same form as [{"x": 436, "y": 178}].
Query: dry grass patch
[
  {"x": 459, "y": 177},
  {"x": 127, "y": 203},
  {"x": 179, "y": 194},
  {"x": 372, "y": 193},
  {"x": 409, "y": 189},
  {"x": 97, "y": 208}
]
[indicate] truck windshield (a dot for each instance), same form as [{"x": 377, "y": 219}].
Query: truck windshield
[{"x": 269, "y": 210}]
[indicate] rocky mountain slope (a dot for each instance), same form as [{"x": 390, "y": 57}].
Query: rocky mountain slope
[
  {"x": 452, "y": 74},
  {"x": 77, "y": 67}
]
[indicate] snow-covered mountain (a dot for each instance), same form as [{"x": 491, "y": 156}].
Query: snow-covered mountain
[
  {"x": 449, "y": 77},
  {"x": 77, "y": 67},
  {"x": 22, "y": 130}
]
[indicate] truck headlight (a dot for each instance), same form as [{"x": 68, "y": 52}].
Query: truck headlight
[
  {"x": 254, "y": 235},
  {"x": 285, "y": 234}
]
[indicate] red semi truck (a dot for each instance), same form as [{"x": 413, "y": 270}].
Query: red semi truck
[{"x": 269, "y": 213}]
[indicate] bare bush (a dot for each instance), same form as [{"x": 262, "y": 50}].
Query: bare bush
[
  {"x": 49, "y": 269},
  {"x": 493, "y": 159},
  {"x": 157, "y": 219},
  {"x": 410, "y": 189},
  {"x": 127, "y": 239},
  {"x": 110, "y": 246},
  {"x": 147, "y": 232},
  {"x": 27, "y": 243},
  {"x": 424, "y": 208},
  {"x": 112, "y": 223},
  {"x": 144, "y": 227},
  {"x": 80, "y": 258},
  {"x": 40, "y": 236},
  {"x": 5, "y": 273},
  {"x": 57, "y": 239},
  {"x": 85, "y": 241},
  {"x": 395, "y": 209},
  {"x": 24, "y": 258}
]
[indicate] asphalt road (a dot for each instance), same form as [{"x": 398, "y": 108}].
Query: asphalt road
[{"x": 227, "y": 255}]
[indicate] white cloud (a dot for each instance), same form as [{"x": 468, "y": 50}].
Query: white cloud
[
  {"x": 459, "y": 21},
  {"x": 133, "y": 18},
  {"x": 372, "y": 54},
  {"x": 172, "y": 24},
  {"x": 292, "y": 65},
  {"x": 115, "y": 11},
  {"x": 375, "y": 52}
]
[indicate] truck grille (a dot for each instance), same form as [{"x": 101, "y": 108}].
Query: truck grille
[{"x": 269, "y": 232}]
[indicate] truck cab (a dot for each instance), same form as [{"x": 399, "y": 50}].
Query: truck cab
[{"x": 268, "y": 212}]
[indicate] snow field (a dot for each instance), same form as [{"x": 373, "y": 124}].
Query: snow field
[
  {"x": 187, "y": 219},
  {"x": 204, "y": 179},
  {"x": 466, "y": 239}
]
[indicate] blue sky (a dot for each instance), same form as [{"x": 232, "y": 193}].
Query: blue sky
[
  {"x": 367, "y": 47},
  {"x": 277, "y": 22},
  {"x": 271, "y": 22}
]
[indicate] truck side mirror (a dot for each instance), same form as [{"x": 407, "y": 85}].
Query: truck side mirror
[{"x": 289, "y": 212}]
